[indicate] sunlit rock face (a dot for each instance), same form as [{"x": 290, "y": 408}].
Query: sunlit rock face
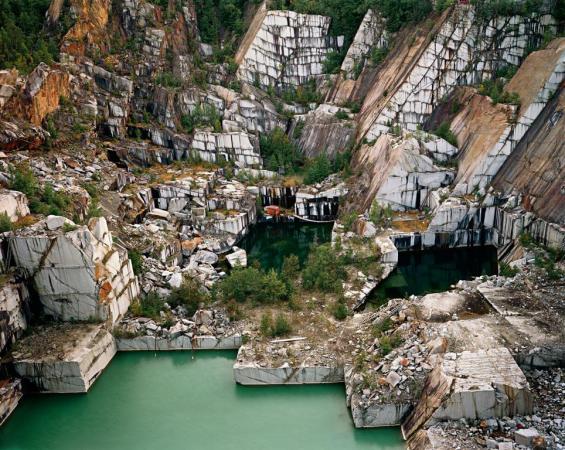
[
  {"x": 465, "y": 50},
  {"x": 288, "y": 50},
  {"x": 13, "y": 204},
  {"x": 78, "y": 273},
  {"x": 14, "y": 312}
]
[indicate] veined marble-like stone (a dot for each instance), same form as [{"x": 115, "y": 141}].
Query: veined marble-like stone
[
  {"x": 288, "y": 49},
  {"x": 241, "y": 148},
  {"x": 371, "y": 34},
  {"x": 68, "y": 360},
  {"x": 79, "y": 274},
  {"x": 13, "y": 204},
  {"x": 151, "y": 343},
  {"x": 10, "y": 395},
  {"x": 252, "y": 374}
]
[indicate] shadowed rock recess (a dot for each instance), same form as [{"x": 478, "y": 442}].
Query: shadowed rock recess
[{"x": 141, "y": 141}]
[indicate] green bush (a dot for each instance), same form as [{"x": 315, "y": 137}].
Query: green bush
[
  {"x": 378, "y": 55},
  {"x": 274, "y": 328},
  {"x": 324, "y": 270},
  {"x": 5, "y": 223},
  {"x": 278, "y": 152},
  {"x": 203, "y": 115},
  {"x": 148, "y": 306},
  {"x": 444, "y": 132},
  {"x": 281, "y": 326},
  {"x": 290, "y": 267},
  {"x": 399, "y": 13},
  {"x": 318, "y": 170},
  {"x": 252, "y": 284},
  {"x": 168, "y": 80},
  {"x": 333, "y": 61},
  {"x": 381, "y": 216},
  {"x": 339, "y": 310},
  {"x": 303, "y": 95},
  {"x": 23, "y": 180},
  {"x": 188, "y": 295},
  {"x": 495, "y": 90},
  {"x": 136, "y": 261},
  {"x": 341, "y": 115}
]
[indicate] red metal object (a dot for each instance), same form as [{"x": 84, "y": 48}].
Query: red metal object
[{"x": 273, "y": 210}]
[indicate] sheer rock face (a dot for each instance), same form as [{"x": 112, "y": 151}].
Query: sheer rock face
[
  {"x": 288, "y": 50},
  {"x": 321, "y": 132},
  {"x": 536, "y": 167},
  {"x": 64, "y": 359},
  {"x": 371, "y": 34},
  {"x": 464, "y": 50},
  {"x": 482, "y": 157},
  {"x": 14, "y": 313},
  {"x": 78, "y": 274},
  {"x": 13, "y": 204},
  {"x": 39, "y": 96},
  {"x": 396, "y": 172},
  {"x": 90, "y": 26},
  {"x": 10, "y": 395},
  {"x": 242, "y": 148}
]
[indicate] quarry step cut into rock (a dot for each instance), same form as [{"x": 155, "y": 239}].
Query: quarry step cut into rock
[{"x": 363, "y": 195}]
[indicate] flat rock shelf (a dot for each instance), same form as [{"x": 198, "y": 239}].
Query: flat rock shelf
[{"x": 185, "y": 400}]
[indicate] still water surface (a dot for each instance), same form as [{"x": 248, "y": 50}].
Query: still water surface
[{"x": 170, "y": 401}]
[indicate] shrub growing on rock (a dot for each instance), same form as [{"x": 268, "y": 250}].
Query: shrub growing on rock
[
  {"x": 324, "y": 270},
  {"x": 189, "y": 295},
  {"x": 274, "y": 328},
  {"x": 254, "y": 285},
  {"x": 279, "y": 153},
  {"x": 5, "y": 223},
  {"x": 148, "y": 306}
]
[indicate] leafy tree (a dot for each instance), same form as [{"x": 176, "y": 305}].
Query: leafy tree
[
  {"x": 399, "y": 13},
  {"x": 318, "y": 170},
  {"x": 23, "y": 41},
  {"x": 324, "y": 270},
  {"x": 254, "y": 285},
  {"x": 279, "y": 153}
]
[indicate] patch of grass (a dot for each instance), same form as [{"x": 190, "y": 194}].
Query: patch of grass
[{"x": 506, "y": 270}]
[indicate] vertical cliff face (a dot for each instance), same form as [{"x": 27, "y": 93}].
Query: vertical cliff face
[
  {"x": 288, "y": 50},
  {"x": 485, "y": 137},
  {"x": 460, "y": 49},
  {"x": 536, "y": 168},
  {"x": 89, "y": 29},
  {"x": 40, "y": 95}
]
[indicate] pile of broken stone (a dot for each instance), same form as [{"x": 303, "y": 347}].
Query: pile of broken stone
[
  {"x": 545, "y": 429},
  {"x": 175, "y": 322},
  {"x": 399, "y": 375}
]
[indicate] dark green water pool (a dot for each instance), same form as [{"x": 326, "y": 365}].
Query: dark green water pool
[
  {"x": 270, "y": 243},
  {"x": 170, "y": 401},
  {"x": 421, "y": 273}
]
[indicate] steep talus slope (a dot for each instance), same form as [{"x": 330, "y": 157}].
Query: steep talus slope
[{"x": 536, "y": 167}]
